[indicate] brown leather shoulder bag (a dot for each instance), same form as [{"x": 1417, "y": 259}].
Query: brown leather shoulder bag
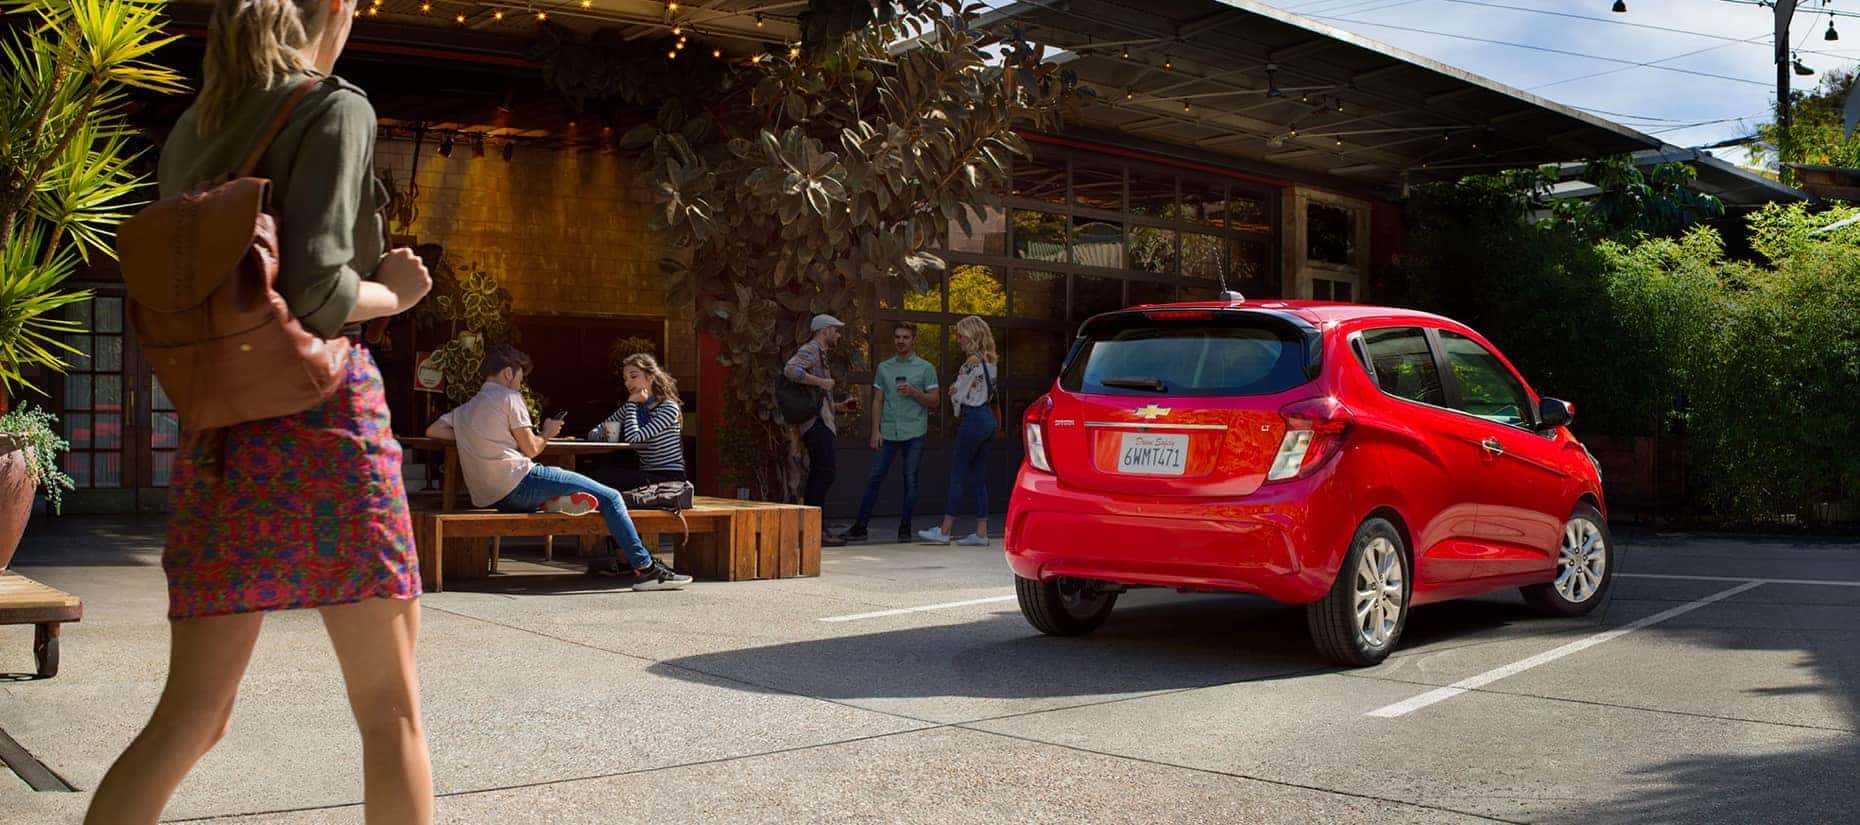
[{"x": 201, "y": 269}]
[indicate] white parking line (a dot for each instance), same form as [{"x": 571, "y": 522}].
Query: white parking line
[
  {"x": 1734, "y": 579},
  {"x": 902, "y": 610},
  {"x": 1408, "y": 706}
]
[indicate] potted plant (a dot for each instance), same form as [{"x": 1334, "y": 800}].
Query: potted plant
[{"x": 67, "y": 177}]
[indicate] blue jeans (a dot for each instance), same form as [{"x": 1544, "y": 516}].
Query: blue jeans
[
  {"x": 544, "y": 483},
  {"x": 913, "y": 450},
  {"x": 969, "y": 466}
]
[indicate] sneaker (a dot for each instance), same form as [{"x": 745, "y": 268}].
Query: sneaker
[
  {"x": 574, "y": 504},
  {"x": 972, "y": 540},
  {"x": 659, "y": 577},
  {"x": 905, "y": 536},
  {"x": 934, "y": 535},
  {"x": 830, "y": 540},
  {"x": 857, "y": 533}
]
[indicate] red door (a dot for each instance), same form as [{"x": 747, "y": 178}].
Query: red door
[{"x": 1525, "y": 500}]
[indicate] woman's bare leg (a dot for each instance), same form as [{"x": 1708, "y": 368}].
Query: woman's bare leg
[
  {"x": 206, "y": 659},
  {"x": 374, "y": 642}
]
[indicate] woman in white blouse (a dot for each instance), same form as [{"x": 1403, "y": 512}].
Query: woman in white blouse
[{"x": 972, "y": 395}]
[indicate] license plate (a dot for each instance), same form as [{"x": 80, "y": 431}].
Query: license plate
[{"x": 1153, "y": 455}]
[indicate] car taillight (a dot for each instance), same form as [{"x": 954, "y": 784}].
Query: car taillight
[
  {"x": 1035, "y": 422},
  {"x": 1314, "y": 431}
]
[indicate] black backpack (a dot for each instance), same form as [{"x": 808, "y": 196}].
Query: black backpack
[
  {"x": 674, "y": 496},
  {"x": 795, "y": 401}
]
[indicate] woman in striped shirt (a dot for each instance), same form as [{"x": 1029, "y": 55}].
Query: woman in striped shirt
[{"x": 651, "y": 418}]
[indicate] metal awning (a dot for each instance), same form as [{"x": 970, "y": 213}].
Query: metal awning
[
  {"x": 1267, "y": 88},
  {"x": 1740, "y": 189}
]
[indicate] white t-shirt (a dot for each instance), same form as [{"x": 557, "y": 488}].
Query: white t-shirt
[
  {"x": 970, "y": 389},
  {"x": 488, "y": 454}
]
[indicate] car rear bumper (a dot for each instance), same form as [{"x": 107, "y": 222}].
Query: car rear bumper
[{"x": 1284, "y": 542}]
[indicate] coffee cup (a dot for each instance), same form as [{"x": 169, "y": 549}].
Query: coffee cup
[{"x": 610, "y": 431}]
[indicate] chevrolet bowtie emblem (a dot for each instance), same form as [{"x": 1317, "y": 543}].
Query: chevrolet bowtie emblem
[{"x": 1151, "y": 412}]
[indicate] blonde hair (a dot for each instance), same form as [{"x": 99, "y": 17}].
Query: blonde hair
[
  {"x": 976, "y": 329},
  {"x": 254, "y": 45},
  {"x": 662, "y": 384}
]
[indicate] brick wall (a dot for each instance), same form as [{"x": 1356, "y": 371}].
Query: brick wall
[{"x": 564, "y": 231}]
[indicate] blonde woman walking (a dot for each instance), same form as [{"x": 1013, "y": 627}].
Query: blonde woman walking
[
  {"x": 309, "y": 511},
  {"x": 972, "y": 394}
]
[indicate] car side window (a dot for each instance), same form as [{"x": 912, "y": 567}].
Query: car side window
[
  {"x": 1487, "y": 388},
  {"x": 1403, "y": 364}
]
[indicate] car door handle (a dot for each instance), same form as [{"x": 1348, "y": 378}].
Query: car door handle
[{"x": 1492, "y": 446}]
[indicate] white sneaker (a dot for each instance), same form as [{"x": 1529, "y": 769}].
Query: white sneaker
[
  {"x": 972, "y": 540},
  {"x": 574, "y": 504},
  {"x": 934, "y": 535}
]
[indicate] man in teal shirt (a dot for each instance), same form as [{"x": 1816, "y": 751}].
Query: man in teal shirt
[{"x": 905, "y": 393}]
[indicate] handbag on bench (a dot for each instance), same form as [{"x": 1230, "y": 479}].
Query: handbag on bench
[{"x": 672, "y": 496}]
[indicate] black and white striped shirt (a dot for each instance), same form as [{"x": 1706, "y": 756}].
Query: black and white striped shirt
[{"x": 659, "y": 437}]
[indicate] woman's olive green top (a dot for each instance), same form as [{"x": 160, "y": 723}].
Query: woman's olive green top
[{"x": 324, "y": 191}]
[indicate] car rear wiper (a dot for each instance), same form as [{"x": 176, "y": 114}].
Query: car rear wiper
[{"x": 1151, "y": 384}]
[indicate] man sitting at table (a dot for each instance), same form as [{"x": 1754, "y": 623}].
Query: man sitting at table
[{"x": 496, "y": 442}]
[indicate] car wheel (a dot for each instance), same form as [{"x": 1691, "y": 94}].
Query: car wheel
[
  {"x": 1362, "y": 617},
  {"x": 1584, "y": 567},
  {"x": 1064, "y": 607}
]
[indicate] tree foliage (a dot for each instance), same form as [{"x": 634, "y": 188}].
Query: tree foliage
[
  {"x": 815, "y": 183},
  {"x": 1817, "y": 134}
]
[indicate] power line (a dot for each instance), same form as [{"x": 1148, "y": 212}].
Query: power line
[
  {"x": 1545, "y": 49},
  {"x": 1726, "y": 39},
  {"x": 1650, "y": 63}
]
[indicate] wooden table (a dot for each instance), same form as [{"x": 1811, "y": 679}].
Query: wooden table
[
  {"x": 560, "y": 452},
  {"x": 24, "y": 601}
]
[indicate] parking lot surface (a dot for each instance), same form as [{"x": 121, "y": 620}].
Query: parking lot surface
[{"x": 1721, "y": 684}]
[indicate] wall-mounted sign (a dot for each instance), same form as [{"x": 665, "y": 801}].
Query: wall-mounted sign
[{"x": 427, "y": 376}]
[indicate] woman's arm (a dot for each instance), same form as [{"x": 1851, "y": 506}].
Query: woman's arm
[{"x": 662, "y": 418}]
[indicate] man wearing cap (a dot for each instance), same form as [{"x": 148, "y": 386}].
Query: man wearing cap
[{"x": 809, "y": 366}]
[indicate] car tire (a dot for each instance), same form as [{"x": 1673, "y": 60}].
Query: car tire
[
  {"x": 1361, "y": 619},
  {"x": 1064, "y": 607},
  {"x": 1585, "y": 568}
]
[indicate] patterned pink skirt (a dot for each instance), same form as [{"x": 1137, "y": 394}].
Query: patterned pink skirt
[{"x": 311, "y": 512}]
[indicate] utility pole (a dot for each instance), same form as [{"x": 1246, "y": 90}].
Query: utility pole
[{"x": 1785, "y": 64}]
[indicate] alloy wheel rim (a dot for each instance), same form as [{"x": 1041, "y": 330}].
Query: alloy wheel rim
[
  {"x": 1379, "y": 592},
  {"x": 1581, "y": 562}
]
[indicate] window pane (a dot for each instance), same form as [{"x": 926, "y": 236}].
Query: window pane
[
  {"x": 1487, "y": 388},
  {"x": 1039, "y": 236},
  {"x": 1203, "y": 256},
  {"x": 109, "y": 392},
  {"x": 1152, "y": 249},
  {"x": 1034, "y": 354},
  {"x": 928, "y": 299},
  {"x": 81, "y": 360},
  {"x": 79, "y": 312},
  {"x": 989, "y": 235},
  {"x": 77, "y": 466},
  {"x": 1149, "y": 292},
  {"x": 1152, "y": 194},
  {"x": 1330, "y": 234},
  {"x": 1248, "y": 212},
  {"x": 166, "y": 432},
  {"x": 1038, "y": 295},
  {"x": 109, "y": 353},
  {"x": 109, "y": 470},
  {"x": 976, "y": 290},
  {"x": 1097, "y": 243},
  {"x": 1091, "y": 296},
  {"x": 1250, "y": 259},
  {"x": 1041, "y": 178},
  {"x": 1198, "y": 290},
  {"x": 159, "y": 400},
  {"x": 1205, "y": 205},
  {"x": 1098, "y": 186},
  {"x": 77, "y": 430},
  {"x": 161, "y": 469},
  {"x": 1404, "y": 366},
  {"x": 109, "y": 432},
  {"x": 109, "y": 315},
  {"x": 77, "y": 392}
]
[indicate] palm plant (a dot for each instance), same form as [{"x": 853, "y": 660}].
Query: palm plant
[{"x": 67, "y": 158}]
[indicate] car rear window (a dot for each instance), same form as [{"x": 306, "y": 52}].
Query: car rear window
[{"x": 1226, "y": 354}]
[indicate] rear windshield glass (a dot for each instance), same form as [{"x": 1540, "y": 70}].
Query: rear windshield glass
[{"x": 1239, "y": 356}]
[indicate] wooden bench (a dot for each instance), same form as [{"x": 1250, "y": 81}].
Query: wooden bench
[
  {"x": 729, "y": 539},
  {"x": 24, "y": 601}
]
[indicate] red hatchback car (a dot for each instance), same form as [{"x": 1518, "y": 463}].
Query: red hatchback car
[{"x": 1359, "y": 460}]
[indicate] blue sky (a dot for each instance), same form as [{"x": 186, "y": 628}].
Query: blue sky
[{"x": 1659, "y": 101}]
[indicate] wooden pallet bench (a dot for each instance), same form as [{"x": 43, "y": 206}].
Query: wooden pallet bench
[
  {"x": 729, "y": 539},
  {"x": 24, "y": 601}
]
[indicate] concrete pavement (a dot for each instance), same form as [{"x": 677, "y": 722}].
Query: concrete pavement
[{"x": 551, "y": 699}]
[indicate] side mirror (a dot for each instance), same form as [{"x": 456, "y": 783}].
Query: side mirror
[{"x": 1553, "y": 413}]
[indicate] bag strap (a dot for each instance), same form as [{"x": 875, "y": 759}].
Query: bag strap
[{"x": 276, "y": 125}]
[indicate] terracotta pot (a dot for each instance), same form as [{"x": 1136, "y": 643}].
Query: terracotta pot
[{"x": 16, "y": 490}]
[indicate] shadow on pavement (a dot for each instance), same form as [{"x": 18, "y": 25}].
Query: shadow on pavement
[{"x": 92, "y": 541}]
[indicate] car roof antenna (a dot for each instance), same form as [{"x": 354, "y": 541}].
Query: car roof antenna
[{"x": 1230, "y": 295}]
